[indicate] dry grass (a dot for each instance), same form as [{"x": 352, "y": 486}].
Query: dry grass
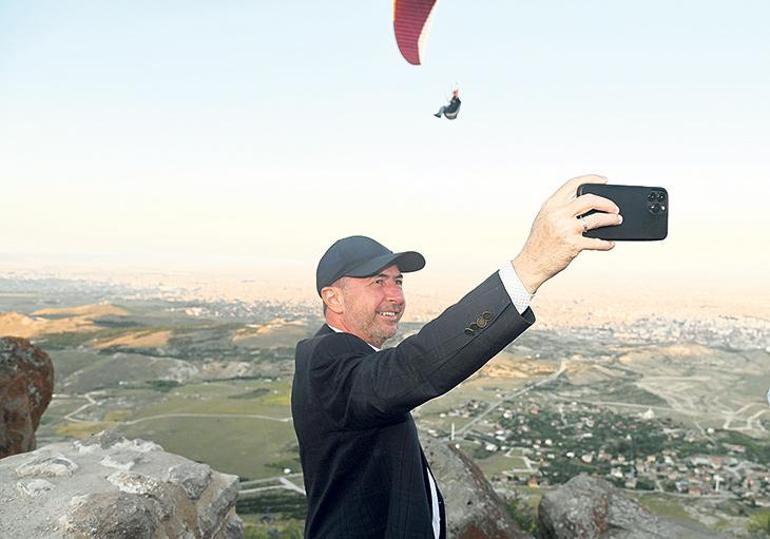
[
  {"x": 87, "y": 311},
  {"x": 70, "y": 320},
  {"x": 138, "y": 339}
]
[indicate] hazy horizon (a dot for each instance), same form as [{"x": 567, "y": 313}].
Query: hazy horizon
[{"x": 574, "y": 293}]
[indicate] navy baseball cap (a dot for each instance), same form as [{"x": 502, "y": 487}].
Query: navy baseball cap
[{"x": 359, "y": 256}]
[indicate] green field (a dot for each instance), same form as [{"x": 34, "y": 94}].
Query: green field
[
  {"x": 665, "y": 506},
  {"x": 66, "y": 362},
  {"x": 199, "y": 421},
  {"x": 249, "y": 448},
  {"x": 226, "y": 397},
  {"x": 498, "y": 463},
  {"x": 61, "y": 407}
]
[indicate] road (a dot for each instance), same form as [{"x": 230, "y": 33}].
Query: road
[
  {"x": 93, "y": 402},
  {"x": 283, "y": 481},
  {"x": 221, "y": 416}
]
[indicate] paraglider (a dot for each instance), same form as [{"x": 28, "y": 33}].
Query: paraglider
[
  {"x": 411, "y": 22},
  {"x": 451, "y": 110}
]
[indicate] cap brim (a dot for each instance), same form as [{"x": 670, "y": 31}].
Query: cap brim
[{"x": 406, "y": 262}]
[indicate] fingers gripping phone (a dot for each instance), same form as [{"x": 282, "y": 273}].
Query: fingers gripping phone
[{"x": 644, "y": 210}]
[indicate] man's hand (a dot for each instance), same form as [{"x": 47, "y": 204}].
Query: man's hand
[{"x": 556, "y": 237}]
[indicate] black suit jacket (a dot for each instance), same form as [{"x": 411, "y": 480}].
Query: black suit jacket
[{"x": 363, "y": 466}]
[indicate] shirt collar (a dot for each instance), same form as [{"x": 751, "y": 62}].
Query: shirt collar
[{"x": 337, "y": 330}]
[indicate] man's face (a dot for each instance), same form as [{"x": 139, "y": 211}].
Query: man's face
[{"x": 373, "y": 305}]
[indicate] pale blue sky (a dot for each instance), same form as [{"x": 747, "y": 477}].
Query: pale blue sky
[{"x": 255, "y": 133}]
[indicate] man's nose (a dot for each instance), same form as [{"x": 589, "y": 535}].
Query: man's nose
[{"x": 395, "y": 293}]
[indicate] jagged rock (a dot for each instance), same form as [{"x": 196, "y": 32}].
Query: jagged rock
[
  {"x": 193, "y": 477},
  {"x": 26, "y": 386},
  {"x": 591, "y": 508},
  {"x": 473, "y": 509},
  {"x": 111, "y": 487}
]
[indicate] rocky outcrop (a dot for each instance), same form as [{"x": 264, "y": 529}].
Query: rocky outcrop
[
  {"x": 111, "y": 487},
  {"x": 591, "y": 508},
  {"x": 26, "y": 386},
  {"x": 473, "y": 509}
]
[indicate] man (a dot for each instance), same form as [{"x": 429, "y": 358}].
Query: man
[
  {"x": 451, "y": 110},
  {"x": 365, "y": 472}
]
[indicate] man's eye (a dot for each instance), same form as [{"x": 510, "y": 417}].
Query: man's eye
[{"x": 400, "y": 283}]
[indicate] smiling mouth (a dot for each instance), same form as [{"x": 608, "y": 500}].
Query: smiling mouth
[{"x": 390, "y": 315}]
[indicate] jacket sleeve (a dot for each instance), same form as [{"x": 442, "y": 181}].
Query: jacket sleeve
[{"x": 361, "y": 389}]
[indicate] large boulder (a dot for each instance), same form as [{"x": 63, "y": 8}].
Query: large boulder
[
  {"x": 591, "y": 508},
  {"x": 26, "y": 386},
  {"x": 111, "y": 487},
  {"x": 473, "y": 509}
]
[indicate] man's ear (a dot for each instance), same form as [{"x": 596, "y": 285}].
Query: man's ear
[{"x": 332, "y": 297}]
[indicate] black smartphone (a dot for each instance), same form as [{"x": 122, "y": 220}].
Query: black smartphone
[{"x": 644, "y": 210}]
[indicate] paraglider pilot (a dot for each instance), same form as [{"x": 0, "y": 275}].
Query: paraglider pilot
[{"x": 450, "y": 111}]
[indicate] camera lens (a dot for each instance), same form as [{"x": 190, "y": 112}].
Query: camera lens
[
  {"x": 651, "y": 196},
  {"x": 655, "y": 207},
  {"x": 661, "y": 197}
]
